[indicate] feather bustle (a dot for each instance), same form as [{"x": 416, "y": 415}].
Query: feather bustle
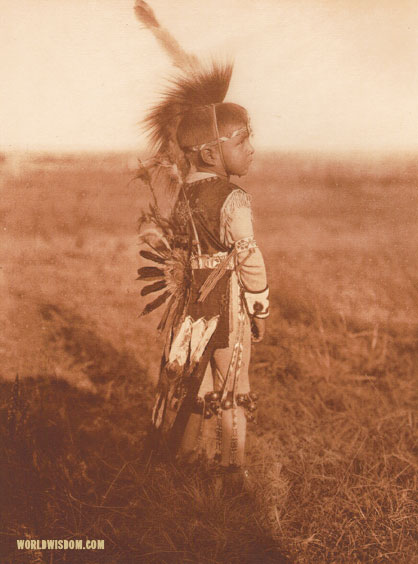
[
  {"x": 168, "y": 313},
  {"x": 156, "y": 303},
  {"x": 156, "y": 287},
  {"x": 152, "y": 256},
  {"x": 147, "y": 272}
]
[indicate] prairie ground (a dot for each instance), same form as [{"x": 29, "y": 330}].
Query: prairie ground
[{"x": 332, "y": 458}]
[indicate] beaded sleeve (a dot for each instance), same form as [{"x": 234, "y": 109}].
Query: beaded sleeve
[{"x": 237, "y": 230}]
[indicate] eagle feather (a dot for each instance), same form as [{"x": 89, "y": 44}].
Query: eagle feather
[{"x": 181, "y": 59}]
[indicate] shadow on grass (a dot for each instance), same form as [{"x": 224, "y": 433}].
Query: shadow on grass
[
  {"x": 78, "y": 337},
  {"x": 71, "y": 468}
]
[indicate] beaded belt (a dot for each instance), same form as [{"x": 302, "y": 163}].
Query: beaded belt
[{"x": 210, "y": 261}]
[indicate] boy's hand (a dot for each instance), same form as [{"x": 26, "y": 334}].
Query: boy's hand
[{"x": 258, "y": 329}]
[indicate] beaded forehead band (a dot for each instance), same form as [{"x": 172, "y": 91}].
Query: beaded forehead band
[
  {"x": 245, "y": 129},
  {"x": 219, "y": 140}
]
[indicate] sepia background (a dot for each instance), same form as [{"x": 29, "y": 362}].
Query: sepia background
[{"x": 332, "y": 91}]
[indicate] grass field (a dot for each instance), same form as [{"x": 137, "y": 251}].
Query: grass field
[{"x": 332, "y": 459}]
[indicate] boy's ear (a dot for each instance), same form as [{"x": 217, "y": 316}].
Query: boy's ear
[{"x": 208, "y": 156}]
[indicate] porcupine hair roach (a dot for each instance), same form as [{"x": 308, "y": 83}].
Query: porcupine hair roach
[{"x": 183, "y": 117}]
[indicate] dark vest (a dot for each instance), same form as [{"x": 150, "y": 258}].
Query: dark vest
[{"x": 206, "y": 198}]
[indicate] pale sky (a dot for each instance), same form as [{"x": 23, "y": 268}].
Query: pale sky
[{"x": 314, "y": 74}]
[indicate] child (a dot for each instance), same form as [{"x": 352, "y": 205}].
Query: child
[{"x": 211, "y": 269}]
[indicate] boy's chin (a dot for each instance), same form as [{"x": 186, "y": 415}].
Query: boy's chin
[{"x": 241, "y": 172}]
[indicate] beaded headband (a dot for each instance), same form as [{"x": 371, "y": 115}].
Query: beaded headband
[{"x": 244, "y": 129}]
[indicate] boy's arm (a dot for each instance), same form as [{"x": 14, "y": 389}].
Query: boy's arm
[{"x": 237, "y": 229}]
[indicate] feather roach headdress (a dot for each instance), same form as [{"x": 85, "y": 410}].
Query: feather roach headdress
[{"x": 195, "y": 86}]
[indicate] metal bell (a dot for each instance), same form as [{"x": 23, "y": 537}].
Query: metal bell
[
  {"x": 215, "y": 396},
  {"x": 227, "y": 404},
  {"x": 208, "y": 414},
  {"x": 240, "y": 399},
  {"x": 252, "y": 406}
]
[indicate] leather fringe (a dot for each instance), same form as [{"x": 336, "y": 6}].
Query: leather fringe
[{"x": 236, "y": 199}]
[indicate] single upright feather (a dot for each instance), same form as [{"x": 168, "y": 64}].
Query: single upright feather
[{"x": 181, "y": 59}]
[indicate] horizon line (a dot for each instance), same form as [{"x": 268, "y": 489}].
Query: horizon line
[{"x": 267, "y": 150}]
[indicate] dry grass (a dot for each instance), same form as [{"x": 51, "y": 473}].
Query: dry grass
[{"x": 332, "y": 458}]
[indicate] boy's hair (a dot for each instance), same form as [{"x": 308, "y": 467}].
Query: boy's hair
[{"x": 197, "y": 125}]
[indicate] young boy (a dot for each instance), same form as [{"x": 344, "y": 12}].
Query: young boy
[
  {"x": 212, "y": 269},
  {"x": 222, "y": 213}
]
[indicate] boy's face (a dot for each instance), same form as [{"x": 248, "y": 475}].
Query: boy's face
[{"x": 238, "y": 152}]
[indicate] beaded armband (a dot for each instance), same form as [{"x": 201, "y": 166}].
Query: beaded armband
[
  {"x": 257, "y": 303},
  {"x": 245, "y": 244}
]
